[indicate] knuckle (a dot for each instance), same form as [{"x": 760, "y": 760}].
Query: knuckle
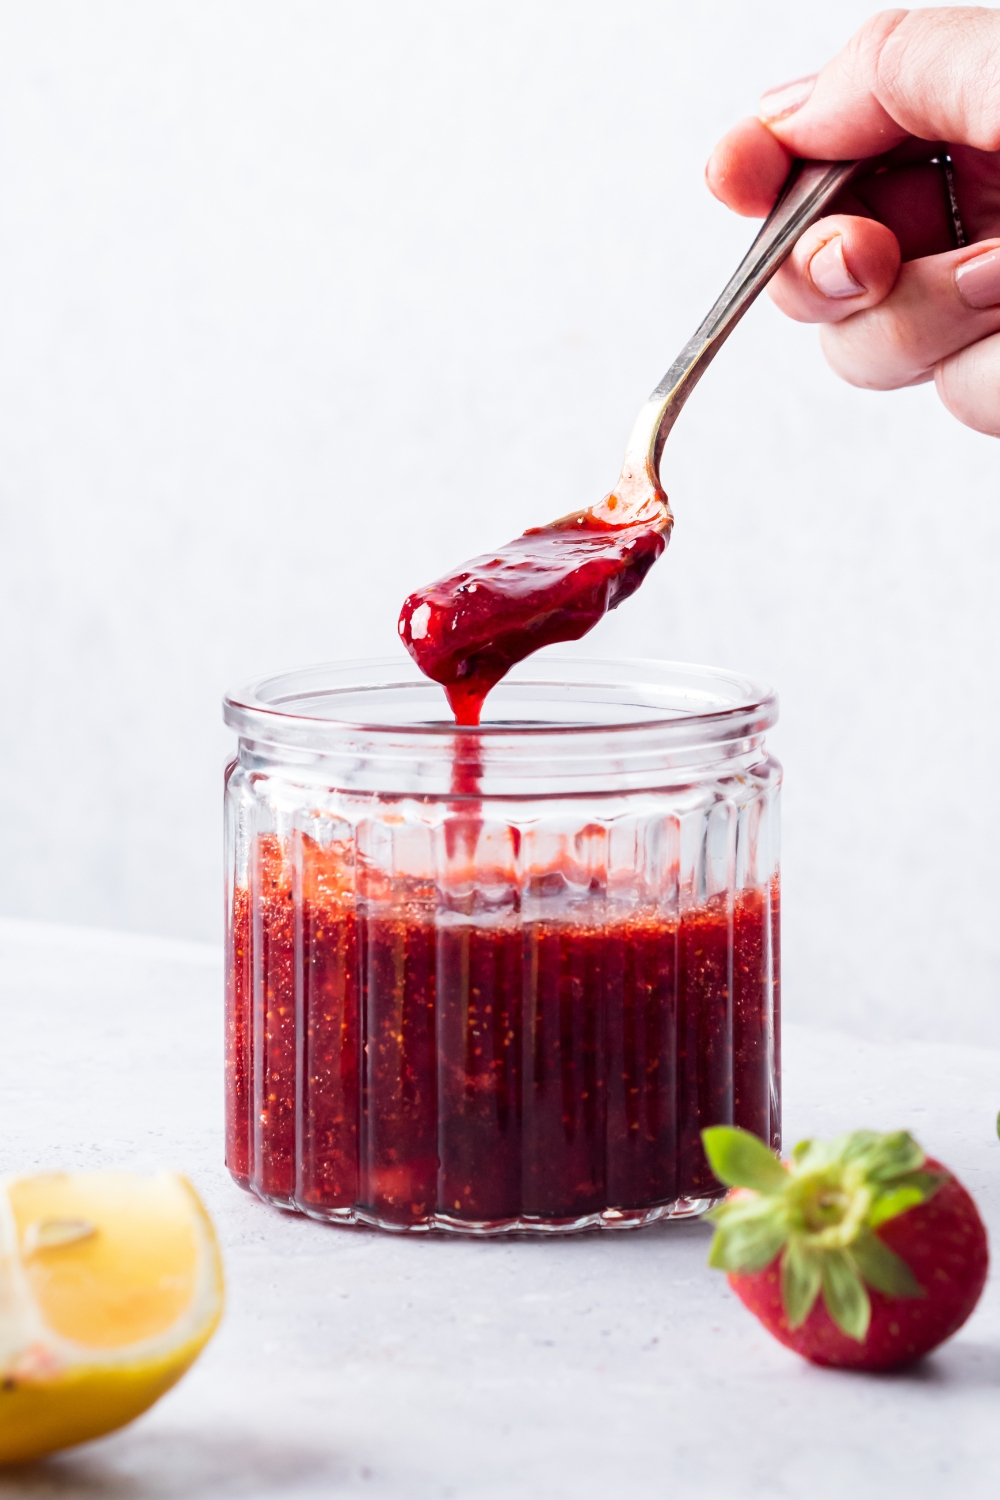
[
  {"x": 868, "y": 46},
  {"x": 948, "y": 62},
  {"x": 968, "y": 384},
  {"x": 875, "y": 349},
  {"x": 894, "y": 340},
  {"x": 841, "y": 358},
  {"x": 983, "y": 110}
]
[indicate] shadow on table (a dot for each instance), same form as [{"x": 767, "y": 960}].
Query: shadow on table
[
  {"x": 963, "y": 1365},
  {"x": 176, "y": 1465}
]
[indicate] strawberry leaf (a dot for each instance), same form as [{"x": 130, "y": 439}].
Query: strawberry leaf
[
  {"x": 914, "y": 1188},
  {"x": 750, "y": 1233},
  {"x": 739, "y": 1159},
  {"x": 892, "y": 1156},
  {"x": 858, "y": 1145},
  {"x": 891, "y": 1205},
  {"x": 883, "y": 1269},
  {"x": 844, "y": 1293},
  {"x": 801, "y": 1276}
]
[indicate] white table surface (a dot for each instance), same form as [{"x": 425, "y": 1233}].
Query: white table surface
[{"x": 354, "y": 1363}]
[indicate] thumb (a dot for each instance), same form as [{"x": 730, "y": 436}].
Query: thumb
[{"x": 925, "y": 73}]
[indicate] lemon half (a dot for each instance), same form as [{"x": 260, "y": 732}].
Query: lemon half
[{"x": 110, "y": 1287}]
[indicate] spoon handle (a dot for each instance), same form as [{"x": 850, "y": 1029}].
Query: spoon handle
[{"x": 808, "y": 189}]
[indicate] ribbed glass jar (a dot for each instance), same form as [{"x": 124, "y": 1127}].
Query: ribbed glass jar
[{"x": 499, "y": 979}]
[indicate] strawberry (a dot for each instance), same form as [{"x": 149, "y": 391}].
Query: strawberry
[{"x": 859, "y": 1252}]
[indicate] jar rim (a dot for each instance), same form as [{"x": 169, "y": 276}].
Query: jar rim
[{"x": 263, "y": 708}]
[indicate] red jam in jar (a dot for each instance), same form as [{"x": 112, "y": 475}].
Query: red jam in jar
[{"x": 509, "y": 1010}]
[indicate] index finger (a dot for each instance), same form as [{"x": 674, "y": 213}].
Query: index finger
[{"x": 925, "y": 73}]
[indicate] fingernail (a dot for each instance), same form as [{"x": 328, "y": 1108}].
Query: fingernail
[
  {"x": 978, "y": 280},
  {"x": 828, "y": 271},
  {"x": 779, "y": 103}
]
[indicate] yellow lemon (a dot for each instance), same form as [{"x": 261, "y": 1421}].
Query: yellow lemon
[{"x": 110, "y": 1287}]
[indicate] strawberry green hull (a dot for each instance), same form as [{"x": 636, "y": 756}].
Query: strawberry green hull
[{"x": 944, "y": 1243}]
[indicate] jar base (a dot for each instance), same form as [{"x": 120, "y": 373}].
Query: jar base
[{"x": 526, "y": 1224}]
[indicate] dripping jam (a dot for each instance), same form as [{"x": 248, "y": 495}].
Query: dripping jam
[{"x": 554, "y": 583}]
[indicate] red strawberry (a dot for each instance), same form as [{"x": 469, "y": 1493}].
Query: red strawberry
[{"x": 859, "y": 1252}]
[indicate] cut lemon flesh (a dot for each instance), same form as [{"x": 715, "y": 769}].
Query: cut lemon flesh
[{"x": 110, "y": 1286}]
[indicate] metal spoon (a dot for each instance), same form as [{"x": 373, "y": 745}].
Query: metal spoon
[{"x": 808, "y": 190}]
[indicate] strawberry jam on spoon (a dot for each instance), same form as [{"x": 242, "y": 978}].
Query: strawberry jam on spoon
[{"x": 552, "y": 584}]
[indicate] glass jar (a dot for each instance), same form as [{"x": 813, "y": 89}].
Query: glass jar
[{"x": 499, "y": 979}]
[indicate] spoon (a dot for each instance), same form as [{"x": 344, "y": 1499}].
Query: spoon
[
  {"x": 555, "y": 582},
  {"x": 809, "y": 188}
]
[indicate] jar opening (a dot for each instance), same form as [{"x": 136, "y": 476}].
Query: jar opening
[{"x": 553, "y": 724}]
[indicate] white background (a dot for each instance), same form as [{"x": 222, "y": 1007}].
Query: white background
[{"x": 301, "y": 303}]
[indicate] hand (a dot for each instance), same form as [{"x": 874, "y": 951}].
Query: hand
[{"x": 900, "y": 303}]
